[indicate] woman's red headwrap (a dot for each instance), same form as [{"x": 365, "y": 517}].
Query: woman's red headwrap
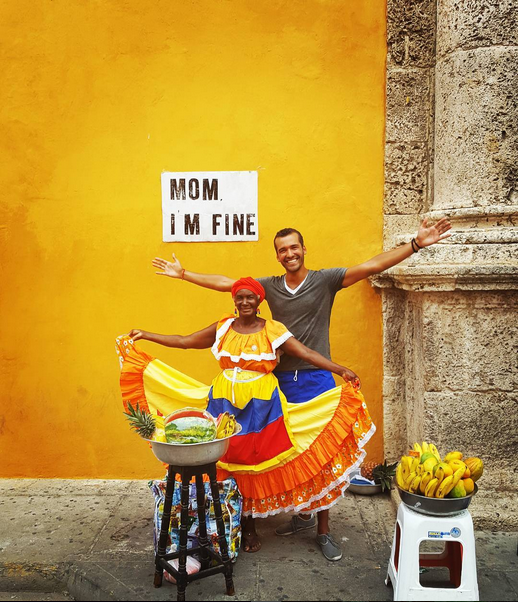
[{"x": 251, "y": 285}]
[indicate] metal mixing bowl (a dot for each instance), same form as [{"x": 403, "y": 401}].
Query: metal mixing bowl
[
  {"x": 192, "y": 454},
  {"x": 434, "y": 506}
]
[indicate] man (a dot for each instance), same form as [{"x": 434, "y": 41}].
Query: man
[{"x": 302, "y": 299}]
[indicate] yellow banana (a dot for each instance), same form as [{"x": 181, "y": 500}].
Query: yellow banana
[
  {"x": 414, "y": 465},
  {"x": 431, "y": 488},
  {"x": 425, "y": 479},
  {"x": 409, "y": 479},
  {"x": 405, "y": 463},
  {"x": 434, "y": 451},
  {"x": 414, "y": 485},
  {"x": 159, "y": 434},
  {"x": 457, "y": 476},
  {"x": 418, "y": 448},
  {"x": 445, "y": 487},
  {"x": 223, "y": 422},
  {"x": 425, "y": 447},
  {"x": 399, "y": 476},
  {"x": 443, "y": 470}
]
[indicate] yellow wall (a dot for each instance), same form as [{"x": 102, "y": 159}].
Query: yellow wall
[{"x": 99, "y": 99}]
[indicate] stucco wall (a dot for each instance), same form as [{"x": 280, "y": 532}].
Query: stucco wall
[{"x": 99, "y": 99}]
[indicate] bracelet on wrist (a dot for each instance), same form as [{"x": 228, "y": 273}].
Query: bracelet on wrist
[
  {"x": 183, "y": 273},
  {"x": 415, "y": 246}
]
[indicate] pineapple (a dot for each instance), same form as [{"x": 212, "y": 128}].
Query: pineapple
[
  {"x": 140, "y": 421},
  {"x": 383, "y": 474},
  {"x": 367, "y": 468}
]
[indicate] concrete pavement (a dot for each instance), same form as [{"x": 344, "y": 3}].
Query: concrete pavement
[{"x": 92, "y": 540}]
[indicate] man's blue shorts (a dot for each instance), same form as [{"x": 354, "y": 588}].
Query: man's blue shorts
[{"x": 303, "y": 385}]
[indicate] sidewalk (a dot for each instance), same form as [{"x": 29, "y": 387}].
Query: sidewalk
[{"x": 92, "y": 540}]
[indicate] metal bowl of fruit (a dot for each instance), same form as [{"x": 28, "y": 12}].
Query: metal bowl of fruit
[
  {"x": 364, "y": 488},
  {"x": 436, "y": 506},
  {"x": 193, "y": 454}
]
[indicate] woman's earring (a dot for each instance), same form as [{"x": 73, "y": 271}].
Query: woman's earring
[
  {"x": 235, "y": 311},
  {"x": 258, "y": 312}
]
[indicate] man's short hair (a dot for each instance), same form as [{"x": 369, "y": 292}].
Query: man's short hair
[{"x": 286, "y": 232}]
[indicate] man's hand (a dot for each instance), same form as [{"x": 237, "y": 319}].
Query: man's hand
[
  {"x": 172, "y": 269},
  {"x": 427, "y": 236},
  {"x": 350, "y": 376}
]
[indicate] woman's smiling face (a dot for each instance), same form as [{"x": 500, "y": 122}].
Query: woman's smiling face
[{"x": 246, "y": 302}]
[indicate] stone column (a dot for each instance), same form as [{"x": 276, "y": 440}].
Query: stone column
[{"x": 450, "y": 320}]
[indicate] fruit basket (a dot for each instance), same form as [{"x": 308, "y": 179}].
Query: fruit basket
[
  {"x": 192, "y": 454},
  {"x": 435, "y": 506}
]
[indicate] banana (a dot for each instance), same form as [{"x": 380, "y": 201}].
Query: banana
[
  {"x": 419, "y": 470},
  {"x": 399, "y": 476},
  {"x": 409, "y": 480},
  {"x": 434, "y": 451},
  {"x": 431, "y": 487},
  {"x": 457, "y": 476},
  {"x": 406, "y": 462},
  {"x": 414, "y": 465},
  {"x": 425, "y": 447},
  {"x": 414, "y": 485},
  {"x": 443, "y": 470},
  {"x": 445, "y": 487},
  {"x": 226, "y": 425},
  {"x": 418, "y": 448},
  {"x": 159, "y": 434},
  {"x": 425, "y": 479}
]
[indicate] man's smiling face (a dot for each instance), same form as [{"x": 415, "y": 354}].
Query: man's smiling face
[{"x": 290, "y": 252}]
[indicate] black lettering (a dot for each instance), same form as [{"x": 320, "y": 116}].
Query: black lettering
[
  {"x": 194, "y": 189},
  {"x": 172, "y": 224},
  {"x": 192, "y": 226},
  {"x": 239, "y": 223},
  {"x": 210, "y": 192},
  {"x": 227, "y": 224},
  {"x": 178, "y": 189},
  {"x": 215, "y": 223},
  {"x": 250, "y": 223}
]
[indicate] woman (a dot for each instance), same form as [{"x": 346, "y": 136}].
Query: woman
[{"x": 288, "y": 457}]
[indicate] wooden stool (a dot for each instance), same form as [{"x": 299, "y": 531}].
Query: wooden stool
[{"x": 206, "y": 553}]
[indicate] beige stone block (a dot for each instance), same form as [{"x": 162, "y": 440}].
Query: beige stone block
[
  {"x": 394, "y": 417},
  {"x": 476, "y": 139},
  {"x": 411, "y": 32},
  {"x": 406, "y": 166},
  {"x": 470, "y": 341},
  {"x": 482, "y": 424},
  {"x": 394, "y": 319},
  {"x": 407, "y": 106},
  {"x": 468, "y": 24},
  {"x": 395, "y": 226}
]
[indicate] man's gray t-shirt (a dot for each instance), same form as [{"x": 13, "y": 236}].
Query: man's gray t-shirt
[{"x": 307, "y": 313}]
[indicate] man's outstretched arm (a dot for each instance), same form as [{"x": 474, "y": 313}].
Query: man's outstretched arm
[
  {"x": 174, "y": 269},
  {"x": 426, "y": 236}
]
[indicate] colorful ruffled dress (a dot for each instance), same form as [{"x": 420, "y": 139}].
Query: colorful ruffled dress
[{"x": 288, "y": 457}]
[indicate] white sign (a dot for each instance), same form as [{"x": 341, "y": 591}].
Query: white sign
[{"x": 201, "y": 206}]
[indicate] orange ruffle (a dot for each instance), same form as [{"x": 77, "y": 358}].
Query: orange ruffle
[
  {"x": 132, "y": 374},
  {"x": 317, "y": 477}
]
